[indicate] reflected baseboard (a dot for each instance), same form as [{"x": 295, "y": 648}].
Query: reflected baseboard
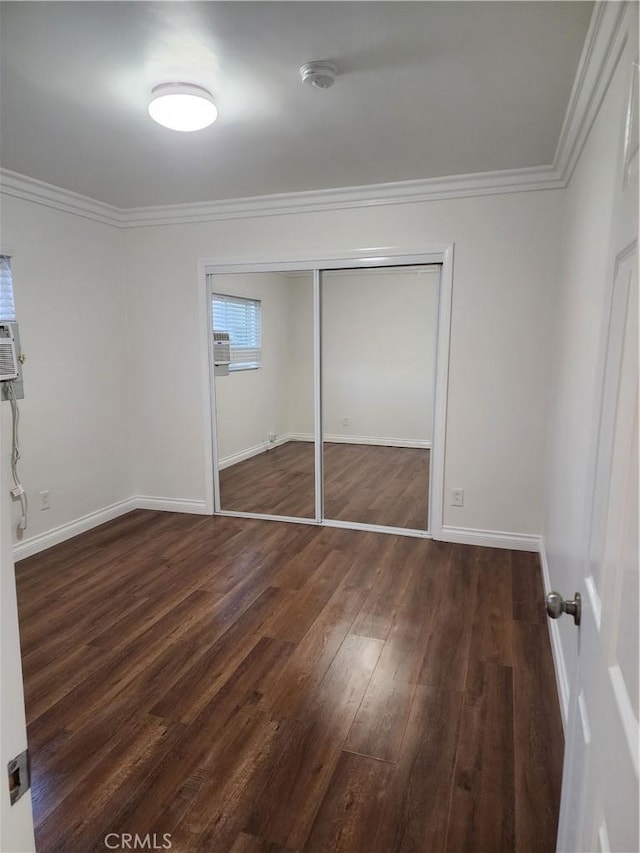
[
  {"x": 378, "y": 441},
  {"x": 332, "y": 438},
  {"x": 256, "y": 450},
  {"x": 263, "y": 447}
]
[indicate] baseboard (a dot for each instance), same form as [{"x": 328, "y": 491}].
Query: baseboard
[
  {"x": 377, "y": 441},
  {"x": 562, "y": 680},
  {"x": 42, "y": 541},
  {"x": 35, "y": 544},
  {"x": 170, "y": 504},
  {"x": 256, "y": 450},
  {"x": 489, "y": 538}
]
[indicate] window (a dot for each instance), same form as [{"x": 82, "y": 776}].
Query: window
[
  {"x": 7, "y": 306},
  {"x": 242, "y": 319}
]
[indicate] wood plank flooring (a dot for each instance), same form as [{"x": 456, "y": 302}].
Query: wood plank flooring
[
  {"x": 362, "y": 483},
  {"x": 255, "y": 686}
]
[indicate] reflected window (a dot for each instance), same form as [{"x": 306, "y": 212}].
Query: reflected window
[
  {"x": 7, "y": 306},
  {"x": 242, "y": 319}
]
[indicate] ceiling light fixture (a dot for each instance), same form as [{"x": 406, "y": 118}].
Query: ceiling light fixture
[
  {"x": 320, "y": 75},
  {"x": 182, "y": 106}
]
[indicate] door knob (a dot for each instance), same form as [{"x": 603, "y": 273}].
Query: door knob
[{"x": 556, "y": 606}]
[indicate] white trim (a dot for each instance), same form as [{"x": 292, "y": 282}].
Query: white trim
[
  {"x": 354, "y": 258},
  {"x": 192, "y": 507},
  {"x": 249, "y": 452},
  {"x": 211, "y": 480},
  {"x": 489, "y": 538},
  {"x": 265, "y": 516},
  {"x": 441, "y": 395},
  {"x": 377, "y": 528},
  {"x": 604, "y": 43},
  {"x": 48, "y": 195},
  {"x": 559, "y": 663},
  {"x": 42, "y": 541},
  {"x": 318, "y": 462},
  {"x": 378, "y": 441},
  {"x": 328, "y": 522},
  {"x": 420, "y": 269},
  {"x": 341, "y": 198},
  {"x": 280, "y": 204}
]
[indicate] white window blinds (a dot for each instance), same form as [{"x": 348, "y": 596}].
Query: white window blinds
[
  {"x": 242, "y": 319},
  {"x": 7, "y": 306}
]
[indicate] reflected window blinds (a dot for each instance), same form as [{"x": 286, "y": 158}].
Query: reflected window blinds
[
  {"x": 7, "y": 305},
  {"x": 242, "y": 319}
]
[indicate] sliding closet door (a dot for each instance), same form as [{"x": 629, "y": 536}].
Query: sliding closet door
[
  {"x": 264, "y": 398},
  {"x": 378, "y": 373}
]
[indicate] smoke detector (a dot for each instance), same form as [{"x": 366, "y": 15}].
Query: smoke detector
[{"x": 320, "y": 75}]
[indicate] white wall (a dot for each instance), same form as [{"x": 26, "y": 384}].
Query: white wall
[
  {"x": 579, "y": 309},
  {"x": 16, "y": 822},
  {"x": 253, "y": 403},
  {"x": 75, "y": 418},
  {"x": 496, "y": 420},
  {"x": 378, "y": 353}
]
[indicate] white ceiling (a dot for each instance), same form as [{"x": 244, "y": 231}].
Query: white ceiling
[{"x": 425, "y": 89}]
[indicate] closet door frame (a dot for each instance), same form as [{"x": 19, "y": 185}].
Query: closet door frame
[{"x": 441, "y": 254}]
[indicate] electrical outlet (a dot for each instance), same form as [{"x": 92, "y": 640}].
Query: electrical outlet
[
  {"x": 344, "y": 422},
  {"x": 45, "y": 499},
  {"x": 457, "y": 497},
  {"x": 273, "y": 436}
]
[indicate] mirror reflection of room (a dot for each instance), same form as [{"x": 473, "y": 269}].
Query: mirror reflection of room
[
  {"x": 264, "y": 392},
  {"x": 378, "y": 372}
]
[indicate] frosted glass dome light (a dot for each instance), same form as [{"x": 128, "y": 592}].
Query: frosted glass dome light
[{"x": 182, "y": 106}]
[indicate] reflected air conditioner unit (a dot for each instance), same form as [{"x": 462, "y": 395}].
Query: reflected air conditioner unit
[
  {"x": 9, "y": 368},
  {"x": 221, "y": 349}
]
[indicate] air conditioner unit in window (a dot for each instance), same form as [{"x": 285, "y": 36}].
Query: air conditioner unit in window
[
  {"x": 221, "y": 349},
  {"x": 9, "y": 368}
]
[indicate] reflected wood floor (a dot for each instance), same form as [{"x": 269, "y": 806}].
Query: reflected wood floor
[
  {"x": 377, "y": 485},
  {"x": 256, "y": 686},
  {"x": 363, "y": 483},
  {"x": 278, "y": 482}
]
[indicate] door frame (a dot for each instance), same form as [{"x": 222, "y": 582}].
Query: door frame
[{"x": 430, "y": 254}]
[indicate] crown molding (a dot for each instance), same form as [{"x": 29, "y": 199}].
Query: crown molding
[
  {"x": 604, "y": 43},
  {"x": 47, "y": 195},
  {"x": 312, "y": 201},
  {"x": 405, "y": 192}
]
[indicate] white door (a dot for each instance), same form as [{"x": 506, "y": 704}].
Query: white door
[
  {"x": 599, "y": 810},
  {"x": 16, "y": 829}
]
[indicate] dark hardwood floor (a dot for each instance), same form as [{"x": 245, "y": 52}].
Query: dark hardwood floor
[
  {"x": 255, "y": 686},
  {"x": 364, "y": 483}
]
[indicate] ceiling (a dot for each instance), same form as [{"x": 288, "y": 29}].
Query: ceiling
[{"x": 425, "y": 90}]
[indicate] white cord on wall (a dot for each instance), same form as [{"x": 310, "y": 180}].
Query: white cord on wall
[{"x": 18, "y": 490}]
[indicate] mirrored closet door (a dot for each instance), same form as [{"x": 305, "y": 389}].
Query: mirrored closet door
[
  {"x": 379, "y": 330},
  {"x": 263, "y": 368}
]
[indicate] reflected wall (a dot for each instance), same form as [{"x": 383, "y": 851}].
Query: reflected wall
[
  {"x": 265, "y": 412},
  {"x": 379, "y": 330}
]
